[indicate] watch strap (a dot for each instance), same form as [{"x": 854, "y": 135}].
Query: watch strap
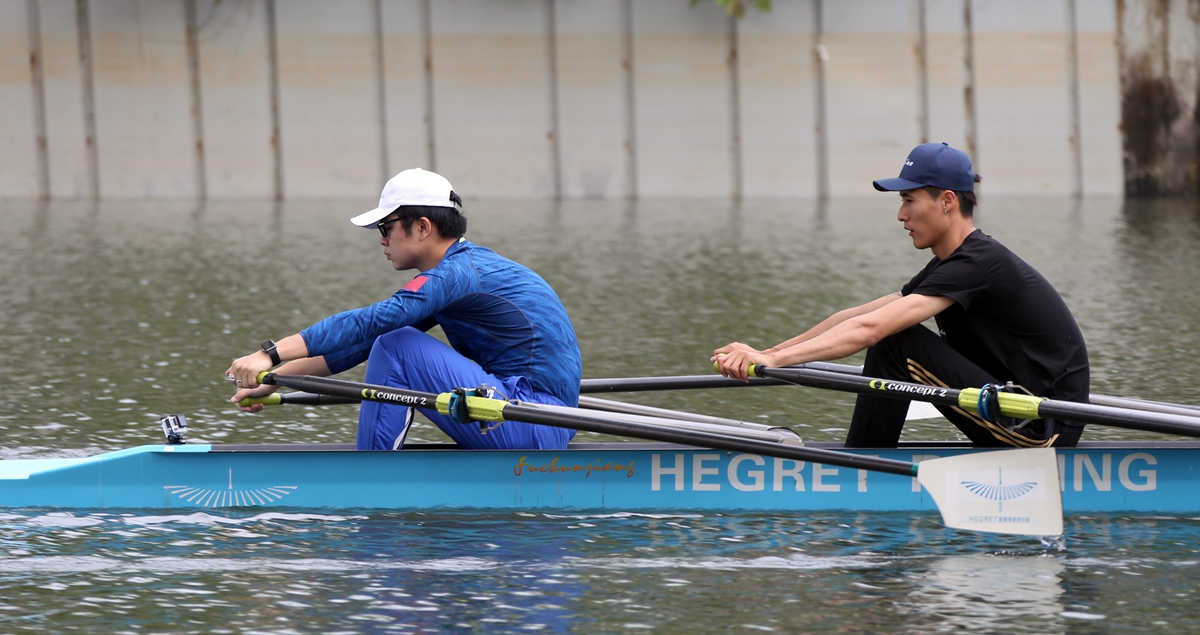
[{"x": 268, "y": 347}]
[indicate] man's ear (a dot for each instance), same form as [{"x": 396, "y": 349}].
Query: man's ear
[{"x": 948, "y": 199}]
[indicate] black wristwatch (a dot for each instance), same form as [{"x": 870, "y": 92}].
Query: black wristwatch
[{"x": 269, "y": 348}]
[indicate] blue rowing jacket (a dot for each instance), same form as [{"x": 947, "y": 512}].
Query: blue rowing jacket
[{"x": 494, "y": 311}]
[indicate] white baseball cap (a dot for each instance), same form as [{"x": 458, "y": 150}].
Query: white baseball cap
[{"x": 410, "y": 187}]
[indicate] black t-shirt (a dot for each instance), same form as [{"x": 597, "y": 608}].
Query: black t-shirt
[{"x": 1007, "y": 318}]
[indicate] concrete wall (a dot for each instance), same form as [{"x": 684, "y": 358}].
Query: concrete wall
[
  {"x": 1160, "y": 84},
  {"x": 545, "y": 98}
]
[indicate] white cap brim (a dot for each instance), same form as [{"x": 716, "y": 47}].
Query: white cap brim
[
  {"x": 371, "y": 218},
  {"x": 410, "y": 187}
]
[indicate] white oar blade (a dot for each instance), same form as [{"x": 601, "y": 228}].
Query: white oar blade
[
  {"x": 1008, "y": 491},
  {"x": 921, "y": 410}
]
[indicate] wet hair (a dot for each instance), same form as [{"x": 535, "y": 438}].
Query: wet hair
[
  {"x": 449, "y": 221},
  {"x": 966, "y": 200}
]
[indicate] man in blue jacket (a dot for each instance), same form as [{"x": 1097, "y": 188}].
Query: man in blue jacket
[{"x": 507, "y": 328}]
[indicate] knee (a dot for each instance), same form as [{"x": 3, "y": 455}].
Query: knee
[
  {"x": 387, "y": 358},
  {"x": 916, "y": 336},
  {"x": 916, "y": 333},
  {"x": 890, "y": 354},
  {"x": 391, "y": 342}
]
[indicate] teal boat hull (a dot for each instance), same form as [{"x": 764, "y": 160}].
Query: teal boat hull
[{"x": 1103, "y": 476}]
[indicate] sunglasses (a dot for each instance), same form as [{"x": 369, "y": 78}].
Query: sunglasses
[{"x": 383, "y": 226}]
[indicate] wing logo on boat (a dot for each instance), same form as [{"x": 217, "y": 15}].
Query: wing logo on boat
[
  {"x": 999, "y": 493},
  {"x": 210, "y": 497},
  {"x": 207, "y": 497}
]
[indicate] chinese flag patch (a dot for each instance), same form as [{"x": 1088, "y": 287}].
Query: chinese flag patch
[{"x": 415, "y": 284}]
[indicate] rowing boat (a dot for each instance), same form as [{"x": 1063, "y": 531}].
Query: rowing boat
[{"x": 1130, "y": 476}]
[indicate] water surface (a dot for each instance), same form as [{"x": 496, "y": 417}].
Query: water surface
[{"x": 112, "y": 315}]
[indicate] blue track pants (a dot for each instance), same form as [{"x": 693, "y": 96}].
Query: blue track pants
[{"x": 408, "y": 358}]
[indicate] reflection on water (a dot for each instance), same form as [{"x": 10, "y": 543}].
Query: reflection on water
[
  {"x": 990, "y": 592},
  {"x": 565, "y": 573}
]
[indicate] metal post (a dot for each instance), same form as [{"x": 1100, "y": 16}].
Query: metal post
[
  {"x": 922, "y": 72},
  {"x": 552, "y": 88},
  {"x": 84, "y": 27},
  {"x": 821, "y": 57},
  {"x": 969, "y": 88},
  {"x": 193, "y": 54},
  {"x": 33, "y": 16},
  {"x": 273, "y": 79},
  {"x": 1076, "y": 139},
  {"x": 735, "y": 109},
  {"x": 427, "y": 75},
  {"x": 381, "y": 91},
  {"x": 631, "y": 179}
]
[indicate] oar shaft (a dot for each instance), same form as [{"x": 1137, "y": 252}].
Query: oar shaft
[
  {"x": 352, "y": 390},
  {"x": 691, "y": 382},
  {"x": 499, "y": 410},
  {"x": 1143, "y": 404},
  {"x": 608, "y": 405},
  {"x": 1011, "y": 404},
  {"x": 679, "y": 382},
  {"x": 1144, "y": 420},
  {"x": 594, "y": 423},
  {"x": 298, "y": 398},
  {"x": 763, "y": 433}
]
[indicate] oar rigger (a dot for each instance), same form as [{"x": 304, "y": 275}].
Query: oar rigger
[{"x": 1011, "y": 404}]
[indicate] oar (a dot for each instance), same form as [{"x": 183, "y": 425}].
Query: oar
[
  {"x": 297, "y": 398},
  {"x": 685, "y": 382},
  {"x": 608, "y": 405},
  {"x": 592, "y": 403},
  {"x": 1018, "y": 406},
  {"x": 1025, "y": 499},
  {"x": 689, "y": 382}
]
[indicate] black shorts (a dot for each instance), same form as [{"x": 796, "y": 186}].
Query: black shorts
[{"x": 917, "y": 354}]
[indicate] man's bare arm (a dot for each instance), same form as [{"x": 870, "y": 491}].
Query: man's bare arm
[
  {"x": 842, "y": 339},
  {"x": 836, "y": 319}
]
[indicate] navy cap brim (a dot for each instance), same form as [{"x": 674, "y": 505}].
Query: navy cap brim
[{"x": 896, "y": 185}]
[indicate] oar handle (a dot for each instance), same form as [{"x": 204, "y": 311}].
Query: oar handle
[
  {"x": 752, "y": 370},
  {"x": 273, "y": 399}
]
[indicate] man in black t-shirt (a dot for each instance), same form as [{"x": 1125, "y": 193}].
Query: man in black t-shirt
[{"x": 1000, "y": 320}]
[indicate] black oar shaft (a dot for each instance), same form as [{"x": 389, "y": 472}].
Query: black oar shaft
[
  {"x": 680, "y": 382},
  {"x": 314, "y": 399},
  {"x": 1037, "y": 407},
  {"x": 689, "y": 382},
  {"x": 595, "y": 422},
  {"x": 686, "y": 382},
  {"x": 1144, "y": 420},
  {"x": 353, "y": 390}
]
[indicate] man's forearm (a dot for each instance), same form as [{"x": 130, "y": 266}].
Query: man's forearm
[
  {"x": 833, "y": 321},
  {"x": 305, "y": 366},
  {"x": 841, "y": 340}
]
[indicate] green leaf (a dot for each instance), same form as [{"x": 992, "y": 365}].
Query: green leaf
[{"x": 737, "y": 8}]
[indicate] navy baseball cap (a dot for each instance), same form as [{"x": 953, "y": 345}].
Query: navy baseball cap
[{"x": 935, "y": 164}]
